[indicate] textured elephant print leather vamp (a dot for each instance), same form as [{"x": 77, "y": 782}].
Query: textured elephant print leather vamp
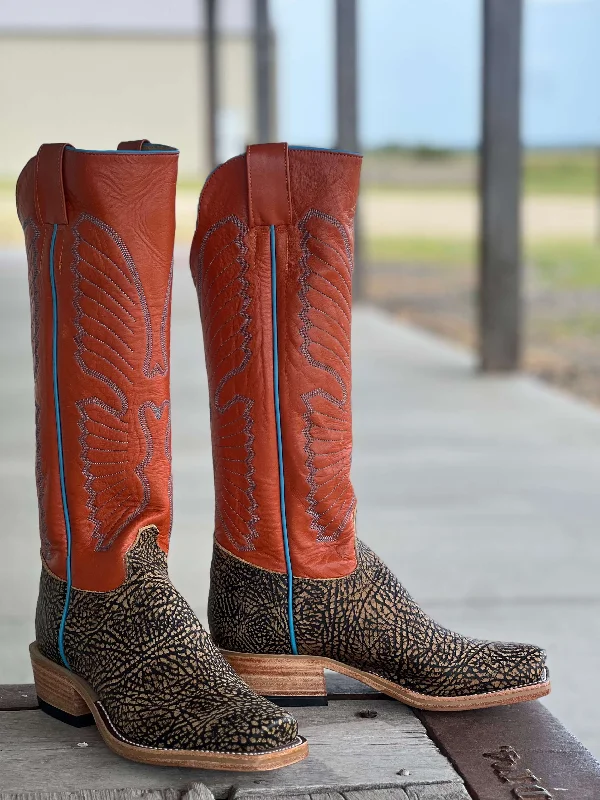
[
  {"x": 158, "y": 676},
  {"x": 366, "y": 620}
]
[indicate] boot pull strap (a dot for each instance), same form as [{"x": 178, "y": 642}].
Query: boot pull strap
[
  {"x": 134, "y": 144},
  {"x": 269, "y": 198},
  {"x": 49, "y": 185}
]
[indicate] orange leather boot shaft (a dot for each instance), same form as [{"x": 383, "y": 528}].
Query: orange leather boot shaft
[
  {"x": 272, "y": 261},
  {"x": 99, "y": 230}
]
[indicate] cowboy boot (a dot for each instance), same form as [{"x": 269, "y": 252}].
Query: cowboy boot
[
  {"x": 115, "y": 642},
  {"x": 293, "y": 591}
]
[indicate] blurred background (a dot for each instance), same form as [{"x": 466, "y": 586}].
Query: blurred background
[
  {"x": 479, "y": 222},
  {"x": 133, "y": 68}
]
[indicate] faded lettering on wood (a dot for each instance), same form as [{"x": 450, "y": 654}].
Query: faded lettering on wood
[{"x": 524, "y": 784}]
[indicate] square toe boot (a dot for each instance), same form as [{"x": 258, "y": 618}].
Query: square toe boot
[
  {"x": 116, "y": 644},
  {"x": 293, "y": 591}
]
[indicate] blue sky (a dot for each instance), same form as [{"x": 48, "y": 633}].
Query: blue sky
[{"x": 419, "y": 71}]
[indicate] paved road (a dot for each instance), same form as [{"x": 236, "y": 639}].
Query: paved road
[{"x": 481, "y": 493}]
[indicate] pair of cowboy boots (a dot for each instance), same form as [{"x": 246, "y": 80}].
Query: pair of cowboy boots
[{"x": 292, "y": 590}]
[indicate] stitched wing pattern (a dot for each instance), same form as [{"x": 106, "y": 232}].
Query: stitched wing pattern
[
  {"x": 32, "y": 235},
  {"x": 114, "y": 345},
  {"x": 325, "y": 293},
  {"x": 224, "y": 295}
]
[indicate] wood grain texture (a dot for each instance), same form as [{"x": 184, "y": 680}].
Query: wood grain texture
[
  {"x": 388, "y": 793},
  {"x": 197, "y": 791},
  {"x": 347, "y": 752},
  {"x": 447, "y": 791},
  {"x": 18, "y": 697}
]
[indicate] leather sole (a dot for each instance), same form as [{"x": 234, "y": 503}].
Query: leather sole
[
  {"x": 67, "y": 697},
  {"x": 292, "y": 679}
]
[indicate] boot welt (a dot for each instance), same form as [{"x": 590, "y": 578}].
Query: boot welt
[
  {"x": 300, "y": 680},
  {"x": 67, "y": 697}
]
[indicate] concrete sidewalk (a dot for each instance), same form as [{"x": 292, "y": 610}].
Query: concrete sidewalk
[{"x": 483, "y": 494}]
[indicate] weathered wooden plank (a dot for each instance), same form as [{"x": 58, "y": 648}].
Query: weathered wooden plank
[
  {"x": 498, "y": 752},
  {"x": 437, "y": 791},
  {"x": 18, "y": 697},
  {"x": 346, "y": 752},
  {"x": 421, "y": 791},
  {"x": 388, "y": 793},
  {"x": 237, "y": 795},
  {"x": 288, "y": 795},
  {"x": 519, "y": 751},
  {"x": 325, "y": 796},
  {"x": 500, "y": 188},
  {"x": 197, "y": 791}
]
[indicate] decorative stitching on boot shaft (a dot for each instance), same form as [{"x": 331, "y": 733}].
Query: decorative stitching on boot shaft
[
  {"x": 224, "y": 296},
  {"x": 326, "y": 275},
  {"x": 156, "y": 672},
  {"x": 32, "y": 235},
  {"x": 366, "y": 620},
  {"x": 109, "y": 303}
]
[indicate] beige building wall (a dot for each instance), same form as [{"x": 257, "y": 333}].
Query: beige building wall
[{"x": 94, "y": 91}]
